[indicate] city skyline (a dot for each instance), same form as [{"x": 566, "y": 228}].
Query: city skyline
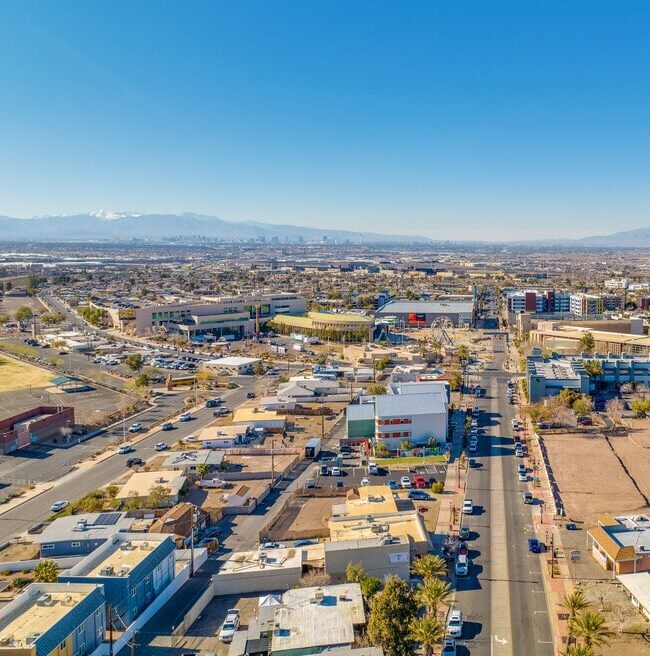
[{"x": 449, "y": 121}]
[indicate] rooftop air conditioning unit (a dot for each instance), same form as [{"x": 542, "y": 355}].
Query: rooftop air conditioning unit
[
  {"x": 127, "y": 546},
  {"x": 45, "y": 600},
  {"x": 32, "y": 638},
  {"x": 68, "y": 600},
  {"x": 160, "y": 479},
  {"x": 319, "y": 594},
  {"x": 6, "y": 640},
  {"x": 81, "y": 525},
  {"x": 107, "y": 571}
]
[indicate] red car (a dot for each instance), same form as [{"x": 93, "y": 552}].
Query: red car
[{"x": 419, "y": 482}]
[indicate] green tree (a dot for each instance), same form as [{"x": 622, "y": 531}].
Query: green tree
[
  {"x": 46, "y": 571},
  {"x": 432, "y": 592},
  {"x": 438, "y": 487},
  {"x": 593, "y": 368},
  {"x": 578, "y": 650},
  {"x": 640, "y": 406},
  {"x": 429, "y": 566},
  {"x": 134, "y": 362},
  {"x": 202, "y": 469},
  {"x": 427, "y": 631},
  {"x": 133, "y": 501},
  {"x": 592, "y": 628},
  {"x": 455, "y": 380},
  {"x": 462, "y": 352},
  {"x": 376, "y": 389},
  {"x": 583, "y": 405},
  {"x": 355, "y": 573},
  {"x": 23, "y": 313},
  {"x": 568, "y": 397},
  {"x": 142, "y": 380},
  {"x": 370, "y": 586},
  {"x": 380, "y": 365},
  {"x": 159, "y": 496},
  {"x": 587, "y": 343},
  {"x": 575, "y": 603},
  {"x": 391, "y": 613}
]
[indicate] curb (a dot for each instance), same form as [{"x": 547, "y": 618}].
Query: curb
[{"x": 31, "y": 494}]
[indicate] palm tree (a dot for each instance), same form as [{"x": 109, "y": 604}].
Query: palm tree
[
  {"x": 428, "y": 631},
  {"x": 575, "y": 603},
  {"x": 429, "y": 566},
  {"x": 592, "y": 628},
  {"x": 433, "y": 592},
  {"x": 578, "y": 650}
]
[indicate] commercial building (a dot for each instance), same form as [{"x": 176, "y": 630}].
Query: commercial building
[
  {"x": 188, "y": 462},
  {"x": 340, "y": 326},
  {"x": 562, "y": 338},
  {"x": 133, "y": 569},
  {"x": 536, "y": 302},
  {"x": 140, "y": 485},
  {"x": 412, "y": 412},
  {"x": 36, "y": 425},
  {"x": 236, "y": 316},
  {"x": 621, "y": 544},
  {"x": 78, "y": 535},
  {"x": 549, "y": 376},
  {"x": 637, "y": 587},
  {"x": 53, "y": 619},
  {"x": 304, "y": 621},
  {"x": 234, "y": 365},
  {"x": 421, "y": 314}
]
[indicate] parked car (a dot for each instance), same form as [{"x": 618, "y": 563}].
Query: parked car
[
  {"x": 270, "y": 545},
  {"x": 521, "y": 468},
  {"x": 393, "y": 485},
  {"x": 161, "y": 446},
  {"x": 419, "y": 482},
  {"x": 523, "y": 476},
  {"x": 365, "y": 481},
  {"x": 335, "y": 471},
  {"x": 468, "y": 507},
  {"x": 464, "y": 533},
  {"x": 571, "y": 526},
  {"x": 455, "y": 624},
  {"x": 463, "y": 549},
  {"x": 303, "y": 543},
  {"x": 527, "y": 497},
  {"x": 448, "y": 647},
  {"x": 58, "y": 506},
  {"x": 135, "y": 428},
  {"x": 250, "y": 395},
  {"x": 405, "y": 482},
  {"x": 461, "y": 568},
  {"x": 132, "y": 462},
  {"x": 190, "y": 438},
  {"x": 124, "y": 448},
  {"x": 230, "y": 625},
  {"x": 167, "y": 426},
  {"x": 534, "y": 545},
  {"x": 419, "y": 495}
]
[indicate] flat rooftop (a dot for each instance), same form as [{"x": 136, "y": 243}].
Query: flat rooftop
[
  {"x": 634, "y": 532},
  {"x": 427, "y": 307},
  {"x": 140, "y": 483},
  {"x": 373, "y": 499},
  {"x": 254, "y": 561},
  {"x": 37, "y": 610},
  {"x": 89, "y": 526},
  {"x": 405, "y": 523},
  {"x": 554, "y": 370},
  {"x": 187, "y": 459},
  {"x": 316, "y": 617},
  {"x": 123, "y": 559}
]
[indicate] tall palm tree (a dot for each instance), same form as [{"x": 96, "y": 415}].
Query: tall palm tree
[
  {"x": 575, "y": 603},
  {"x": 578, "y": 650},
  {"x": 592, "y": 628},
  {"x": 428, "y": 632},
  {"x": 433, "y": 592},
  {"x": 429, "y": 566}
]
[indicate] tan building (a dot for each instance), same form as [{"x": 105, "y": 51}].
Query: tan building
[
  {"x": 561, "y": 338},
  {"x": 140, "y": 484},
  {"x": 621, "y": 544}
]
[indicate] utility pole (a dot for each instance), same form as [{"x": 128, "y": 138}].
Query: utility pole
[
  {"x": 192, "y": 542},
  {"x": 272, "y": 462}
]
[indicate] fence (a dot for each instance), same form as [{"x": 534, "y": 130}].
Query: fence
[{"x": 548, "y": 470}]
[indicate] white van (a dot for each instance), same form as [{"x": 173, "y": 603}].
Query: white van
[{"x": 373, "y": 469}]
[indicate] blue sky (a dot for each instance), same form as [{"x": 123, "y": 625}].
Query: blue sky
[{"x": 466, "y": 120}]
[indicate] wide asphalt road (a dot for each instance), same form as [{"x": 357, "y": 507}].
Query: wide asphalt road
[
  {"x": 503, "y": 599},
  {"x": 78, "y": 483}
]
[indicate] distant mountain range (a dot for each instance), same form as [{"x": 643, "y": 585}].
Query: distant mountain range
[
  {"x": 639, "y": 238},
  {"x": 112, "y": 226}
]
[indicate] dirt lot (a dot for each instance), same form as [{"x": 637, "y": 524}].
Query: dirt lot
[
  {"x": 582, "y": 465},
  {"x": 303, "y": 517},
  {"x": 19, "y": 551},
  {"x": 9, "y": 304},
  {"x": 16, "y": 375}
]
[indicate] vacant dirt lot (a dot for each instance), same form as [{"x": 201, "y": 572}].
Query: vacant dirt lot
[{"x": 591, "y": 479}]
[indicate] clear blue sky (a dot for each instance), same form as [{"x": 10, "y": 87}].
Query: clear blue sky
[{"x": 451, "y": 119}]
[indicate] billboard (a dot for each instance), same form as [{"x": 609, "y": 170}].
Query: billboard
[{"x": 416, "y": 318}]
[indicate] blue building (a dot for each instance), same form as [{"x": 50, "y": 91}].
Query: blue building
[
  {"x": 134, "y": 569},
  {"x": 53, "y": 618}
]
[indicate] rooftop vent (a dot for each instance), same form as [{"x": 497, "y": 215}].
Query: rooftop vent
[
  {"x": 68, "y": 600},
  {"x": 32, "y": 638},
  {"x": 6, "y": 640},
  {"x": 109, "y": 570},
  {"x": 127, "y": 546},
  {"x": 45, "y": 600}
]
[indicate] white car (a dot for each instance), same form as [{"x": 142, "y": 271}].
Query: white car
[
  {"x": 230, "y": 625},
  {"x": 161, "y": 446},
  {"x": 124, "y": 448},
  {"x": 58, "y": 506},
  {"x": 365, "y": 481},
  {"x": 135, "y": 428},
  {"x": 270, "y": 545},
  {"x": 186, "y": 416},
  {"x": 523, "y": 476},
  {"x": 335, "y": 471},
  {"x": 405, "y": 482},
  {"x": 519, "y": 453},
  {"x": 468, "y": 506},
  {"x": 462, "y": 566},
  {"x": 190, "y": 438},
  {"x": 455, "y": 624}
]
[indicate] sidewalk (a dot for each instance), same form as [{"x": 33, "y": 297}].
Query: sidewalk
[{"x": 453, "y": 494}]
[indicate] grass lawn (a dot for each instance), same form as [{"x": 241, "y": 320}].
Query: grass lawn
[
  {"x": 413, "y": 460},
  {"x": 15, "y": 375}
]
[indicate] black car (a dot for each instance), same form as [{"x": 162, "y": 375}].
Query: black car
[{"x": 132, "y": 462}]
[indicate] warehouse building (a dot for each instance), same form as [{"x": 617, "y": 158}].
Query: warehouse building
[{"x": 422, "y": 314}]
